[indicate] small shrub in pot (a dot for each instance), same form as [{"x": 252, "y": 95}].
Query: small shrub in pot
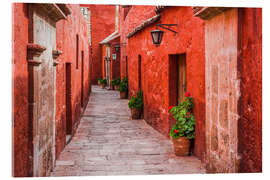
[
  {"x": 123, "y": 88},
  {"x": 103, "y": 83},
  {"x": 136, "y": 105}
]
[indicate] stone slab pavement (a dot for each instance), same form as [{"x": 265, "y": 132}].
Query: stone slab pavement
[{"x": 108, "y": 142}]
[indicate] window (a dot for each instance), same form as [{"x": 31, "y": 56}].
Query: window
[{"x": 77, "y": 51}]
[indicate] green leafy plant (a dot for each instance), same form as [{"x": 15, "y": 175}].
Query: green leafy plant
[
  {"x": 103, "y": 81},
  {"x": 99, "y": 79},
  {"x": 123, "y": 86},
  {"x": 185, "y": 121},
  {"x": 136, "y": 101},
  {"x": 116, "y": 81}
]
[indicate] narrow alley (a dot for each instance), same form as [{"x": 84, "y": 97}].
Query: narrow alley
[
  {"x": 122, "y": 89},
  {"x": 108, "y": 142}
]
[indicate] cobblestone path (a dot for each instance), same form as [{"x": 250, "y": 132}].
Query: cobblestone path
[{"x": 108, "y": 142}]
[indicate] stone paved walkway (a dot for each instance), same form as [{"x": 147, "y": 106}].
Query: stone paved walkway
[{"x": 108, "y": 142}]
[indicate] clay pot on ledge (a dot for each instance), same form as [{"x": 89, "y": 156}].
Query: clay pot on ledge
[
  {"x": 135, "y": 113},
  {"x": 123, "y": 95},
  {"x": 116, "y": 87},
  {"x": 103, "y": 86},
  {"x": 181, "y": 146}
]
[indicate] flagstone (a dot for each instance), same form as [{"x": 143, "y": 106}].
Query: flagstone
[{"x": 108, "y": 142}]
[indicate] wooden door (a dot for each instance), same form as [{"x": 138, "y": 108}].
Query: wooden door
[{"x": 182, "y": 77}]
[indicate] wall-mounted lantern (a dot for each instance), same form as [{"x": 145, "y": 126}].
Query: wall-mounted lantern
[
  {"x": 158, "y": 34},
  {"x": 117, "y": 47}
]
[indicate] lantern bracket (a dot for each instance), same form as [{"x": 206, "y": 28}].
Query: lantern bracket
[{"x": 168, "y": 25}]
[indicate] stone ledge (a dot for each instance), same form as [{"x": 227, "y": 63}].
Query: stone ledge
[
  {"x": 52, "y": 10},
  {"x": 159, "y": 9},
  {"x": 126, "y": 6},
  {"x": 56, "y": 53},
  {"x": 143, "y": 25},
  {"x": 35, "y": 49},
  {"x": 32, "y": 62},
  {"x": 64, "y": 8},
  {"x": 55, "y": 63},
  {"x": 206, "y": 13}
]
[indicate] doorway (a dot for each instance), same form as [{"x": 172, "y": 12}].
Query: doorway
[
  {"x": 82, "y": 79},
  {"x": 108, "y": 65},
  {"x": 68, "y": 102},
  {"x": 140, "y": 71},
  {"x": 177, "y": 78},
  {"x": 177, "y": 81},
  {"x": 181, "y": 77}
]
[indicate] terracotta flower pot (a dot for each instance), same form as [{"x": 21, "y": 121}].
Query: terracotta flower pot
[
  {"x": 103, "y": 86},
  {"x": 123, "y": 95},
  {"x": 181, "y": 146},
  {"x": 115, "y": 87},
  {"x": 135, "y": 113}
]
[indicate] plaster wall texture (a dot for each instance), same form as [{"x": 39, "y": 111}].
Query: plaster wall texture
[
  {"x": 234, "y": 91},
  {"x": 156, "y": 70},
  {"x": 48, "y": 86},
  {"x": 250, "y": 65},
  {"x": 20, "y": 90},
  {"x": 131, "y": 17},
  {"x": 102, "y": 25},
  {"x": 66, "y": 31},
  {"x": 222, "y": 92}
]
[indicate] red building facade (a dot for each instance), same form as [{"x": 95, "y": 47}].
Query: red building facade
[
  {"x": 233, "y": 47},
  {"x": 51, "y": 77},
  {"x": 102, "y": 19},
  {"x": 129, "y": 18},
  {"x": 153, "y": 69},
  {"x": 219, "y": 48}
]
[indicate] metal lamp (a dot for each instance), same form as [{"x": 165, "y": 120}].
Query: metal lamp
[{"x": 158, "y": 34}]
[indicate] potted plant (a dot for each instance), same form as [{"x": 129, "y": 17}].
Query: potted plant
[
  {"x": 99, "y": 80},
  {"x": 123, "y": 88},
  {"x": 136, "y": 105},
  {"x": 184, "y": 129},
  {"x": 103, "y": 83},
  {"x": 115, "y": 83}
]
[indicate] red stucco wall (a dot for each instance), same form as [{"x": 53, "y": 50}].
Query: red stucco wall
[
  {"x": 66, "y": 31},
  {"x": 250, "y": 126},
  {"x": 20, "y": 90},
  {"x": 102, "y": 25},
  {"x": 155, "y": 69},
  {"x": 130, "y": 18}
]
